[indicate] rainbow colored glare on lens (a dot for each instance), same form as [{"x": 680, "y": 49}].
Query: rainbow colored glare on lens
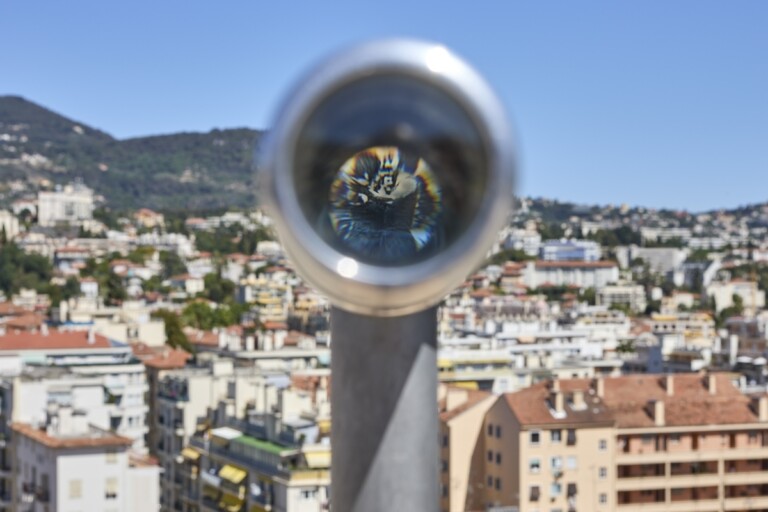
[{"x": 386, "y": 206}]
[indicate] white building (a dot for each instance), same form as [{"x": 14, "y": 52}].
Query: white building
[
  {"x": 582, "y": 274},
  {"x": 67, "y": 465},
  {"x": 630, "y": 295},
  {"x": 9, "y": 223},
  {"x": 752, "y": 298},
  {"x": 570, "y": 250},
  {"x": 71, "y": 203},
  {"x": 660, "y": 259}
]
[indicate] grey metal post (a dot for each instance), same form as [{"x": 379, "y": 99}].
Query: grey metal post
[{"x": 384, "y": 432}]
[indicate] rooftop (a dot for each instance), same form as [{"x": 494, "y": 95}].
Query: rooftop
[
  {"x": 53, "y": 340},
  {"x": 95, "y": 438}
]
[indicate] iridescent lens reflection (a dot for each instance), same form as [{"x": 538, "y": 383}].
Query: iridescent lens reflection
[{"x": 385, "y": 206}]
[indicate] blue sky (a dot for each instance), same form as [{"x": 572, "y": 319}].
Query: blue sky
[{"x": 658, "y": 103}]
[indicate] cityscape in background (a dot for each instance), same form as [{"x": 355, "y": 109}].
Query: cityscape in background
[{"x": 603, "y": 358}]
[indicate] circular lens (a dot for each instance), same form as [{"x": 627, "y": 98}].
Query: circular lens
[
  {"x": 385, "y": 205},
  {"x": 391, "y": 170}
]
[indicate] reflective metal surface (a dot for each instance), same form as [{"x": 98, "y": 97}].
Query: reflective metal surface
[{"x": 388, "y": 173}]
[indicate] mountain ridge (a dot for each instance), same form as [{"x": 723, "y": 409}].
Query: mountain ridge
[{"x": 177, "y": 171}]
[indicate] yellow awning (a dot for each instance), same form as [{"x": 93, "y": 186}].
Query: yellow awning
[
  {"x": 466, "y": 385},
  {"x": 320, "y": 459},
  {"x": 190, "y": 453},
  {"x": 232, "y": 474},
  {"x": 230, "y": 503},
  {"x": 444, "y": 363}
]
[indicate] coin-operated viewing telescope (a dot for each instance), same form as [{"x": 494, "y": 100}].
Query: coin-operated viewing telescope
[{"x": 388, "y": 173}]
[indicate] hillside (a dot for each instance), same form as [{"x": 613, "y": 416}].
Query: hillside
[{"x": 171, "y": 172}]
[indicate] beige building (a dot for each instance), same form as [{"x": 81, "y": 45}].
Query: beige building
[
  {"x": 462, "y": 412},
  {"x": 638, "y": 443}
]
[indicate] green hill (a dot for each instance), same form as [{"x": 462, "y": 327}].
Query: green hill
[{"x": 171, "y": 172}]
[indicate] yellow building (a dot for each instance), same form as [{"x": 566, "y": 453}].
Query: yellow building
[{"x": 638, "y": 443}]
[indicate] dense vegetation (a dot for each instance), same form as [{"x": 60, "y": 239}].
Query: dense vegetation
[{"x": 171, "y": 172}]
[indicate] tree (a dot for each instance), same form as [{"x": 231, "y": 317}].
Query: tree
[
  {"x": 172, "y": 264},
  {"x": 114, "y": 290},
  {"x": 174, "y": 334},
  {"x": 217, "y": 288}
]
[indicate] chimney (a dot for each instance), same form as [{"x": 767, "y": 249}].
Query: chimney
[
  {"x": 760, "y": 407},
  {"x": 91, "y": 336},
  {"x": 44, "y": 329},
  {"x": 669, "y": 385},
  {"x": 657, "y": 410},
  {"x": 578, "y": 401},
  {"x": 712, "y": 383},
  {"x": 555, "y": 386},
  {"x": 600, "y": 387},
  {"x": 558, "y": 402}
]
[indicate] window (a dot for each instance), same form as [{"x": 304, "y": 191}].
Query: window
[
  {"x": 602, "y": 445},
  {"x": 647, "y": 439},
  {"x": 498, "y": 484},
  {"x": 603, "y": 498},
  {"x": 571, "y": 490},
  {"x": 445, "y": 441},
  {"x": 571, "y": 436},
  {"x": 498, "y": 431},
  {"x": 308, "y": 494},
  {"x": 444, "y": 465},
  {"x": 556, "y": 462},
  {"x": 75, "y": 489},
  {"x": 534, "y": 465},
  {"x": 490, "y": 456},
  {"x": 490, "y": 429},
  {"x": 534, "y": 493},
  {"x": 556, "y": 436},
  {"x": 110, "y": 488},
  {"x": 752, "y": 437},
  {"x": 555, "y": 489},
  {"x": 674, "y": 438},
  {"x": 570, "y": 462},
  {"x": 603, "y": 472},
  {"x": 489, "y": 481},
  {"x": 498, "y": 458},
  {"x": 111, "y": 457},
  {"x": 535, "y": 437}
]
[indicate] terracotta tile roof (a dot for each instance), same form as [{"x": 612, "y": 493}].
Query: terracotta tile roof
[
  {"x": 200, "y": 337},
  {"x": 54, "y": 340},
  {"x": 10, "y": 309},
  {"x": 167, "y": 359},
  {"x": 275, "y": 326},
  {"x": 25, "y": 322},
  {"x": 532, "y": 406},
  {"x": 474, "y": 397},
  {"x": 626, "y": 398},
  {"x": 100, "y": 439}
]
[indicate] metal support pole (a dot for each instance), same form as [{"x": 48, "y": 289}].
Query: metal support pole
[{"x": 384, "y": 432}]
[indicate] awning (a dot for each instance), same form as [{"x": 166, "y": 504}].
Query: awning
[
  {"x": 319, "y": 459},
  {"x": 232, "y": 474},
  {"x": 210, "y": 492},
  {"x": 190, "y": 454},
  {"x": 230, "y": 503},
  {"x": 466, "y": 385}
]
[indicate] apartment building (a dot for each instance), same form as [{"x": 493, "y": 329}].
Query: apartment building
[
  {"x": 628, "y": 295},
  {"x": 570, "y": 250},
  {"x": 232, "y": 469},
  {"x": 581, "y": 274},
  {"x": 68, "y": 465},
  {"x": 72, "y": 203},
  {"x": 637, "y": 443},
  {"x": 185, "y": 396},
  {"x": 462, "y": 448}
]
